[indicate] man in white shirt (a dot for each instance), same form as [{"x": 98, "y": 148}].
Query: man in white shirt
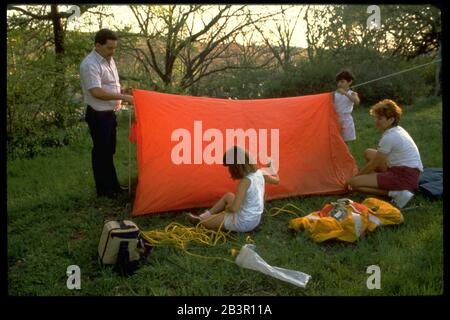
[
  {"x": 394, "y": 168},
  {"x": 103, "y": 96}
]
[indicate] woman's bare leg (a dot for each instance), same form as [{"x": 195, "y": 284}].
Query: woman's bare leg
[
  {"x": 369, "y": 154},
  {"x": 367, "y": 183}
]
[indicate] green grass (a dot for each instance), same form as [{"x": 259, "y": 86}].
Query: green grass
[{"x": 55, "y": 220}]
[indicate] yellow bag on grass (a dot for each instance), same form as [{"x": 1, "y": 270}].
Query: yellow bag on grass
[{"x": 347, "y": 220}]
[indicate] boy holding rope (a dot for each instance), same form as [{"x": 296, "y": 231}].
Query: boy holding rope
[{"x": 344, "y": 100}]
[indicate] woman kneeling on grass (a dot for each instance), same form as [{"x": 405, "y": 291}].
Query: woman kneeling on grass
[
  {"x": 394, "y": 168},
  {"x": 240, "y": 212}
]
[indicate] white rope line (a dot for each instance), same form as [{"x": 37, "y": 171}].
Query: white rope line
[{"x": 396, "y": 73}]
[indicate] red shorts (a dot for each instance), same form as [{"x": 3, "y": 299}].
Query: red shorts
[{"x": 399, "y": 178}]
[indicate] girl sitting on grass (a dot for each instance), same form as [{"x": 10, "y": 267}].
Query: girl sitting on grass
[{"x": 240, "y": 212}]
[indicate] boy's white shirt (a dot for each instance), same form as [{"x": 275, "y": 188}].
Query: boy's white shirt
[{"x": 343, "y": 103}]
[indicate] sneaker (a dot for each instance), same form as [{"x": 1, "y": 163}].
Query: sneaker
[
  {"x": 193, "y": 218},
  {"x": 401, "y": 198},
  {"x": 109, "y": 195},
  {"x": 121, "y": 189}
]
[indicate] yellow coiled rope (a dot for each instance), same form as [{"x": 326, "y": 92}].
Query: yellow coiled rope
[
  {"x": 180, "y": 236},
  {"x": 277, "y": 210}
]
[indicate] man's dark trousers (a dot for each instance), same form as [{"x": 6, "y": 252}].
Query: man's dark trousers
[{"x": 102, "y": 127}]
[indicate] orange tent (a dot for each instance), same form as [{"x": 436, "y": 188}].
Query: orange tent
[{"x": 178, "y": 137}]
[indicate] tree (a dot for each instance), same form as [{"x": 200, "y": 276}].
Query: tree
[
  {"x": 406, "y": 31},
  {"x": 317, "y": 22},
  {"x": 35, "y": 17},
  {"x": 282, "y": 34},
  {"x": 177, "y": 51}
]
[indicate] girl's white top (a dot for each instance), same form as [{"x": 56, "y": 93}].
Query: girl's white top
[{"x": 249, "y": 214}]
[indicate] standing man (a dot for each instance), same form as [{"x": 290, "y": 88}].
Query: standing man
[{"x": 102, "y": 95}]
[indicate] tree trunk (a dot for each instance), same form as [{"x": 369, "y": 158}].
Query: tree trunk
[
  {"x": 58, "y": 31},
  {"x": 59, "y": 83}
]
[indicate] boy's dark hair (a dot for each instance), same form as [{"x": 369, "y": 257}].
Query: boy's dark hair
[
  {"x": 238, "y": 163},
  {"x": 345, "y": 75},
  {"x": 104, "y": 35}
]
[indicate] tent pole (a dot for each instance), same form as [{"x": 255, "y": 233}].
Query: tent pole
[{"x": 129, "y": 151}]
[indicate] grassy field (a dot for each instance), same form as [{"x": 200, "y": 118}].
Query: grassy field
[{"x": 55, "y": 220}]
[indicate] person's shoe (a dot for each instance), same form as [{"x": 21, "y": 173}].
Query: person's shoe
[
  {"x": 205, "y": 215},
  {"x": 122, "y": 189},
  {"x": 193, "y": 218},
  {"x": 400, "y": 198},
  {"x": 109, "y": 195}
]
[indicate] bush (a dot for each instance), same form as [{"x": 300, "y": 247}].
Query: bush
[
  {"x": 37, "y": 141},
  {"x": 44, "y": 101},
  {"x": 319, "y": 76},
  {"x": 405, "y": 88}
]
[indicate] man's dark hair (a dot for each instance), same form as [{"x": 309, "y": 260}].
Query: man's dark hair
[
  {"x": 345, "y": 75},
  {"x": 104, "y": 35}
]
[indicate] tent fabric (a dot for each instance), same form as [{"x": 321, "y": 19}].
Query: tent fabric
[{"x": 313, "y": 158}]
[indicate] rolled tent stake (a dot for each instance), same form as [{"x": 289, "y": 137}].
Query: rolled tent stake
[{"x": 249, "y": 259}]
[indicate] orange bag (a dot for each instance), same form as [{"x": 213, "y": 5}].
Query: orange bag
[{"x": 313, "y": 158}]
